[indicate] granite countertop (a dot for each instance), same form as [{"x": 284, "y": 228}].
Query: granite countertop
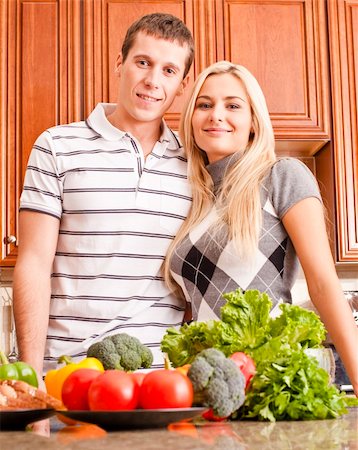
[{"x": 335, "y": 434}]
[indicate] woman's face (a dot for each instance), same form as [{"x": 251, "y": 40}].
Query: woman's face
[{"x": 222, "y": 118}]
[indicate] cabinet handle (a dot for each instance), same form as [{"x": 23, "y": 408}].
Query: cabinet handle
[{"x": 10, "y": 239}]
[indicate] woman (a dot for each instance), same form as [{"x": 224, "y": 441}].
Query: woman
[{"x": 254, "y": 217}]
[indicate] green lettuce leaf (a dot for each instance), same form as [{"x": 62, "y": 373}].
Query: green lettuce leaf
[
  {"x": 248, "y": 314},
  {"x": 298, "y": 325},
  {"x": 182, "y": 345}
]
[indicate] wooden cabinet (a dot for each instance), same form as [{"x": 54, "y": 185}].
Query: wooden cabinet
[
  {"x": 40, "y": 87},
  {"x": 284, "y": 44},
  {"x": 59, "y": 62},
  {"x": 263, "y": 35},
  {"x": 343, "y": 41}
]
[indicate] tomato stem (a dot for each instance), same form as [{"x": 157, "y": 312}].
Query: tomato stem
[
  {"x": 167, "y": 364},
  {"x": 65, "y": 359}
]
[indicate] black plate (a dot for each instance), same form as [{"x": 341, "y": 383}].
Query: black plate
[
  {"x": 18, "y": 419},
  {"x": 134, "y": 419}
]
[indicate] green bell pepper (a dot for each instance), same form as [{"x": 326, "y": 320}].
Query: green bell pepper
[{"x": 17, "y": 371}]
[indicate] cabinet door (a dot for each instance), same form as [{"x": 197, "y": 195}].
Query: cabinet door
[
  {"x": 343, "y": 32},
  {"x": 105, "y": 25},
  {"x": 40, "y": 87},
  {"x": 284, "y": 44}
]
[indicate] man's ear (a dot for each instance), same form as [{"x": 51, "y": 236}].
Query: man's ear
[
  {"x": 118, "y": 64},
  {"x": 182, "y": 86}
]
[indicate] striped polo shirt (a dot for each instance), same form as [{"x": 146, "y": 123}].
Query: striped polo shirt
[{"x": 118, "y": 213}]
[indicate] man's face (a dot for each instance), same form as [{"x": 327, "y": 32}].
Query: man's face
[{"x": 150, "y": 79}]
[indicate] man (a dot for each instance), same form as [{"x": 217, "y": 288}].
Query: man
[{"x": 102, "y": 201}]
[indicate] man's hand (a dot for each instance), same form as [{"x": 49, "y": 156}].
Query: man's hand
[{"x": 42, "y": 427}]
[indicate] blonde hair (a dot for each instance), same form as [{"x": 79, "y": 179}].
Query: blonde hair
[{"x": 238, "y": 200}]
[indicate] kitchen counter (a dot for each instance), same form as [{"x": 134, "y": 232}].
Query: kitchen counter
[{"x": 240, "y": 435}]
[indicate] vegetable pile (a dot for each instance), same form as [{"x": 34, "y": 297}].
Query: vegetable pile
[
  {"x": 106, "y": 379},
  {"x": 288, "y": 384}
]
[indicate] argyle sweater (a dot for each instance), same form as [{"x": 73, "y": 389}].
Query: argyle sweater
[{"x": 205, "y": 264}]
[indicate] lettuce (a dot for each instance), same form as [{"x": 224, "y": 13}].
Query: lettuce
[
  {"x": 288, "y": 383},
  {"x": 245, "y": 325}
]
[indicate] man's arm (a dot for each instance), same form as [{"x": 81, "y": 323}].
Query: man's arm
[{"x": 38, "y": 235}]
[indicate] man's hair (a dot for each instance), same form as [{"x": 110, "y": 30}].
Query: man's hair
[{"x": 163, "y": 26}]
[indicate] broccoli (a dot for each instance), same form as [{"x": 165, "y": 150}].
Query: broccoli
[
  {"x": 121, "y": 351},
  {"x": 218, "y": 383}
]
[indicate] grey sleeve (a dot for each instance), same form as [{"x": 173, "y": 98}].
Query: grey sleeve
[{"x": 290, "y": 182}]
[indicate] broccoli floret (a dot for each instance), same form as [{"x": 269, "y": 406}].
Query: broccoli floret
[
  {"x": 121, "y": 351},
  {"x": 217, "y": 382},
  {"x": 106, "y": 352},
  {"x": 130, "y": 350}
]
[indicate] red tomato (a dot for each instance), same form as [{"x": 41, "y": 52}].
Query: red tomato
[
  {"x": 113, "y": 390},
  {"x": 246, "y": 364},
  {"x": 138, "y": 377},
  {"x": 209, "y": 415},
  {"x": 166, "y": 389},
  {"x": 75, "y": 388}
]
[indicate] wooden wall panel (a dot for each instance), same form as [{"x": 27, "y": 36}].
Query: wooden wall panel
[
  {"x": 30, "y": 98},
  {"x": 70, "y": 61},
  {"x": 40, "y": 88},
  {"x": 284, "y": 44},
  {"x": 343, "y": 26},
  {"x": 258, "y": 38},
  {"x": 7, "y": 126},
  {"x": 36, "y": 89},
  {"x": 207, "y": 23}
]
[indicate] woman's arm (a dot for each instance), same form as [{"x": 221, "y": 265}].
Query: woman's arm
[{"x": 305, "y": 225}]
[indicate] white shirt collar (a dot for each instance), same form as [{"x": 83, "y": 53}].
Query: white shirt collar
[{"x": 98, "y": 121}]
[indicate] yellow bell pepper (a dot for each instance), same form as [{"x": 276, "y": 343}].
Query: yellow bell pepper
[{"x": 55, "y": 378}]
